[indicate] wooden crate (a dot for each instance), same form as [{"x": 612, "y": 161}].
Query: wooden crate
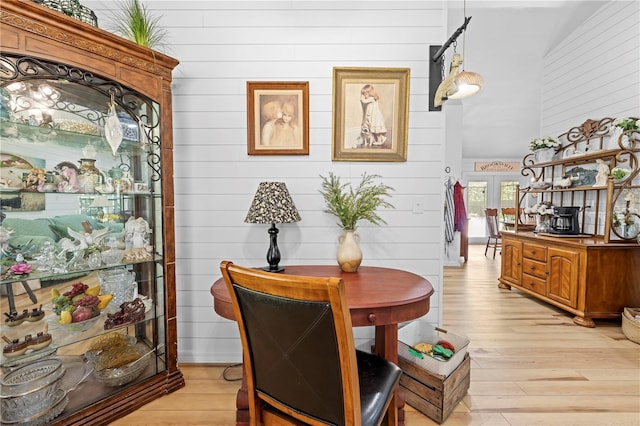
[{"x": 433, "y": 395}]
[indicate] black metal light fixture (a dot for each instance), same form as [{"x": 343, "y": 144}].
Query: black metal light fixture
[{"x": 272, "y": 204}]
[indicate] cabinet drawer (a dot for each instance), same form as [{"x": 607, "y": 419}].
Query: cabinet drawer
[
  {"x": 535, "y": 268},
  {"x": 535, "y": 252},
  {"x": 533, "y": 283}
]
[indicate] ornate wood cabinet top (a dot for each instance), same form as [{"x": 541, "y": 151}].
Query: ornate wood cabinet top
[{"x": 77, "y": 43}]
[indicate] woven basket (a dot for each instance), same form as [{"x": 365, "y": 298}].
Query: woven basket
[
  {"x": 72, "y": 8},
  {"x": 631, "y": 326}
]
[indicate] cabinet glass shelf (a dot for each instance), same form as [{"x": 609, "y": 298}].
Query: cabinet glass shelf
[
  {"x": 52, "y": 135},
  {"x": 70, "y": 275}
]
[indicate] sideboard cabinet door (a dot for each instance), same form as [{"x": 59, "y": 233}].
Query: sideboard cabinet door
[
  {"x": 562, "y": 281},
  {"x": 511, "y": 261}
]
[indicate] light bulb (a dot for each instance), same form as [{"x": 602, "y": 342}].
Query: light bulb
[{"x": 467, "y": 84}]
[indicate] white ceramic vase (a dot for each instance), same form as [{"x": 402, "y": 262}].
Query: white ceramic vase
[
  {"x": 617, "y": 139},
  {"x": 544, "y": 155},
  {"x": 349, "y": 253}
]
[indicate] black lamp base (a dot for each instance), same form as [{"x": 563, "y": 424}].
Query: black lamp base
[
  {"x": 268, "y": 269},
  {"x": 273, "y": 255}
]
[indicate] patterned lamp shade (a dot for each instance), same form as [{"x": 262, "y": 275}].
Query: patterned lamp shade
[{"x": 272, "y": 204}]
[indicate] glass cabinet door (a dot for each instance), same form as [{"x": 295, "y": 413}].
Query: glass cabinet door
[{"x": 81, "y": 236}]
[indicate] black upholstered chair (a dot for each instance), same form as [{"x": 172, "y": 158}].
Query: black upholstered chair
[{"x": 300, "y": 360}]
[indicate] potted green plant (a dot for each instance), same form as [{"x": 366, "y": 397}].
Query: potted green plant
[
  {"x": 619, "y": 173},
  {"x": 621, "y": 131},
  {"x": 544, "y": 148},
  {"x": 133, "y": 21},
  {"x": 351, "y": 206}
]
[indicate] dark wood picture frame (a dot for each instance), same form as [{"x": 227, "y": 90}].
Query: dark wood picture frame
[
  {"x": 278, "y": 118},
  {"x": 370, "y": 114}
]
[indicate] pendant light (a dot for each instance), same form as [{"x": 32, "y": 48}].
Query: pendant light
[{"x": 467, "y": 83}]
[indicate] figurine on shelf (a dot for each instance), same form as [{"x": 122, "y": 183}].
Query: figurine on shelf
[
  {"x": 84, "y": 240},
  {"x": 14, "y": 318},
  {"x": 136, "y": 233},
  {"x": 69, "y": 173},
  {"x": 563, "y": 182},
  {"x": 5, "y": 236},
  {"x": 124, "y": 183},
  {"x": 107, "y": 187},
  {"x": 603, "y": 173},
  {"x": 35, "y": 180}
]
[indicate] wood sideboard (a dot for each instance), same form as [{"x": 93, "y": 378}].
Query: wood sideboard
[{"x": 584, "y": 276}]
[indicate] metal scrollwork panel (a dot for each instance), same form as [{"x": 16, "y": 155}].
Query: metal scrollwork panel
[{"x": 81, "y": 100}]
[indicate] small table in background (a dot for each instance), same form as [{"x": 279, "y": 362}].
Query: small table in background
[{"x": 379, "y": 297}]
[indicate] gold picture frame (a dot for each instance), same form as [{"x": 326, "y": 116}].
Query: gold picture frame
[
  {"x": 370, "y": 114},
  {"x": 277, "y": 118}
]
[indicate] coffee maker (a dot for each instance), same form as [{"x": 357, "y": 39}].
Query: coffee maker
[{"x": 565, "y": 220}]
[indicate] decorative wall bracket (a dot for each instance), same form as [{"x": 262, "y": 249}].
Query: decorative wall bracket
[{"x": 436, "y": 63}]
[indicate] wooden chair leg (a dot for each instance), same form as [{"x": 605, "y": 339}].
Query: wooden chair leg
[
  {"x": 487, "y": 246},
  {"x": 495, "y": 247}
]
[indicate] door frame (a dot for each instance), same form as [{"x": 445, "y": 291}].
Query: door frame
[{"x": 493, "y": 180}]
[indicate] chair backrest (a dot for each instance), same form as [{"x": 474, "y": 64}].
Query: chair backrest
[
  {"x": 509, "y": 214},
  {"x": 297, "y": 343},
  {"x": 491, "y": 216},
  {"x": 513, "y": 215}
]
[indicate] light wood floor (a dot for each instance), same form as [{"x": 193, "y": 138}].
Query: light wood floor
[{"x": 530, "y": 365}]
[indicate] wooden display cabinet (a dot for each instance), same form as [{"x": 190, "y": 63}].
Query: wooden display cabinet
[
  {"x": 592, "y": 274},
  {"x": 58, "y": 77}
]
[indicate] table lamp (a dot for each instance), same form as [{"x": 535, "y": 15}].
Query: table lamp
[{"x": 272, "y": 204}]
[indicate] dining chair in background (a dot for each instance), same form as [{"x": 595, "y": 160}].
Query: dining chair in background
[
  {"x": 494, "y": 238},
  {"x": 300, "y": 361},
  {"x": 509, "y": 217}
]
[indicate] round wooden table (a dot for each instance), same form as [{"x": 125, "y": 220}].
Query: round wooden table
[{"x": 379, "y": 297}]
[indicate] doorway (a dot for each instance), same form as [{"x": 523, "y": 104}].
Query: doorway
[{"x": 488, "y": 191}]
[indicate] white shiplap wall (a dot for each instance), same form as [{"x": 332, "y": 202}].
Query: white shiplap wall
[
  {"x": 221, "y": 45},
  {"x": 595, "y": 71},
  {"x": 592, "y": 74}
]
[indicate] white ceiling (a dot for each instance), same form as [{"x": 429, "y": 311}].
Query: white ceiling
[{"x": 505, "y": 43}]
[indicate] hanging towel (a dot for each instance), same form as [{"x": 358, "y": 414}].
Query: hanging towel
[
  {"x": 460, "y": 215},
  {"x": 448, "y": 213}
]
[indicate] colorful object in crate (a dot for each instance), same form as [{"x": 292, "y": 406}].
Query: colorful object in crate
[
  {"x": 442, "y": 350},
  {"x": 410, "y": 337}
]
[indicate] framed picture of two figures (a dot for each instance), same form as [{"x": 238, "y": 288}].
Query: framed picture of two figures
[{"x": 369, "y": 122}]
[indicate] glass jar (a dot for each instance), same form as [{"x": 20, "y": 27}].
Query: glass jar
[
  {"x": 90, "y": 175},
  {"x": 543, "y": 223}
]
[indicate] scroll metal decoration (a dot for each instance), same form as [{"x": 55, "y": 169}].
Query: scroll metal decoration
[{"x": 64, "y": 78}]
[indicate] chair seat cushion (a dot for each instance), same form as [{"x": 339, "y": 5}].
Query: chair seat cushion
[{"x": 377, "y": 377}]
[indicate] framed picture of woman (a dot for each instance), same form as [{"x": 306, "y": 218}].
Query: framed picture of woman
[
  {"x": 370, "y": 114},
  {"x": 277, "y": 118}
]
